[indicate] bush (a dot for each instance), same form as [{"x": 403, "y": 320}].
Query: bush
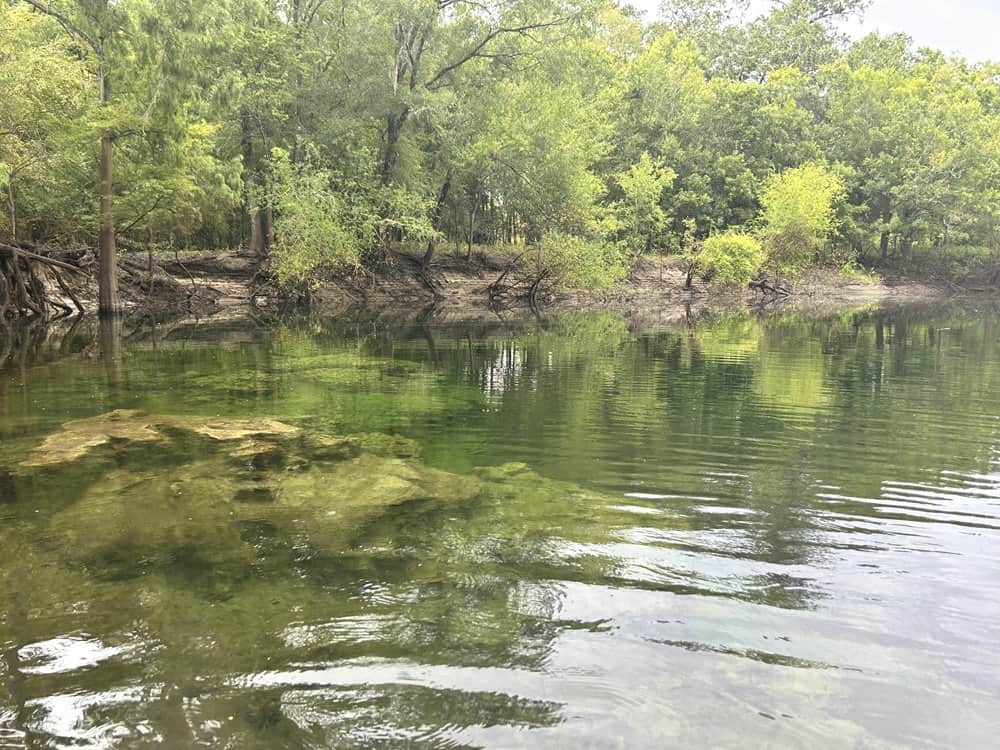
[
  {"x": 314, "y": 231},
  {"x": 731, "y": 259},
  {"x": 572, "y": 262},
  {"x": 800, "y": 209}
]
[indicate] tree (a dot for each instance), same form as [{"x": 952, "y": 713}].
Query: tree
[
  {"x": 315, "y": 231},
  {"x": 125, "y": 43},
  {"x": 915, "y": 132},
  {"x": 399, "y": 125},
  {"x": 44, "y": 84},
  {"x": 641, "y": 208}
]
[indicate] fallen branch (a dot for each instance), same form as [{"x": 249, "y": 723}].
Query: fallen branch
[
  {"x": 22, "y": 291},
  {"x": 68, "y": 291},
  {"x": 494, "y": 288},
  {"x": 762, "y": 285}
]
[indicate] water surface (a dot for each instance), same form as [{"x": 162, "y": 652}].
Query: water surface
[{"x": 749, "y": 531}]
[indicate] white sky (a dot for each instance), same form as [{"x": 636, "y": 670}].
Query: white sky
[{"x": 968, "y": 27}]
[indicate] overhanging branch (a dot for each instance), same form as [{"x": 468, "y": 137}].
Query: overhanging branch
[
  {"x": 71, "y": 28},
  {"x": 477, "y": 49}
]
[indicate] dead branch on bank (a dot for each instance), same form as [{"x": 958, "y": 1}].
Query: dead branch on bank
[{"x": 766, "y": 288}]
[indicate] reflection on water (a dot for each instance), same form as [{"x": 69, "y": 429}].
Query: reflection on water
[{"x": 576, "y": 533}]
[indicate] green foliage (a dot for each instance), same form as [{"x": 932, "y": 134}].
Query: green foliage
[
  {"x": 572, "y": 262},
  {"x": 314, "y": 230},
  {"x": 799, "y": 216},
  {"x": 415, "y": 122},
  {"x": 731, "y": 259},
  {"x": 641, "y": 211},
  {"x": 856, "y": 272},
  {"x": 405, "y": 212},
  {"x": 43, "y": 131}
]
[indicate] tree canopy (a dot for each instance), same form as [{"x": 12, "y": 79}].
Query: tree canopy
[{"x": 319, "y": 134}]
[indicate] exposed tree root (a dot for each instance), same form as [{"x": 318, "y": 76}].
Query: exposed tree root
[{"x": 23, "y": 292}]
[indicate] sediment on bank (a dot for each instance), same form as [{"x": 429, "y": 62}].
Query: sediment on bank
[{"x": 453, "y": 287}]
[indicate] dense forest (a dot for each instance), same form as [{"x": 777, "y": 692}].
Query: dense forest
[{"x": 322, "y": 135}]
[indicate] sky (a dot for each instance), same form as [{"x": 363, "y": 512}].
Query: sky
[{"x": 968, "y": 27}]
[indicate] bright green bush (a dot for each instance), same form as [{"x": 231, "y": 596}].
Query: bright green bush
[
  {"x": 800, "y": 209},
  {"x": 731, "y": 259}
]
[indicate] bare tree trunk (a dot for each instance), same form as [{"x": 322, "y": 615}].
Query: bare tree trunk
[
  {"x": 268, "y": 226},
  {"x": 472, "y": 228},
  {"x": 906, "y": 247},
  {"x": 253, "y": 215},
  {"x": 436, "y": 218},
  {"x": 111, "y": 353},
  {"x": 884, "y": 245},
  {"x": 13, "y": 209},
  {"x": 109, "y": 301},
  {"x": 256, "y": 233},
  {"x": 393, "y": 129}
]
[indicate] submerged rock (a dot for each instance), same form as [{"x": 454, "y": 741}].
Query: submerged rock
[
  {"x": 79, "y": 437},
  {"x": 387, "y": 445},
  {"x": 193, "y": 505}
]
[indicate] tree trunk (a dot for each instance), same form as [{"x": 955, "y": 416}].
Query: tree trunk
[
  {"x": 436, "y": 217},
  {"x": 884, "y": 245},
  {"x": 12, "y": 207},
  {"x": 109, "y": 301},
  {"x": 252, "y": 213},
  {"x": 111, "y": 353},
  {"x": 393, "y": 129},
  {"x": 906, "y": 247},
  {"x": 472, "y": 228},
  {"x": 268, "y": 226}
]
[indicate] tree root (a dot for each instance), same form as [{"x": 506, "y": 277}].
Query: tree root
[{"x": 22, "y": 289}]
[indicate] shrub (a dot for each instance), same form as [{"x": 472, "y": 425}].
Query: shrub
[
  {"x": 572, "y": 262},
  {"x": 800, "y": 209},
  {"x": 731, "y": 259},
  {"x": 314, "y": 231}
]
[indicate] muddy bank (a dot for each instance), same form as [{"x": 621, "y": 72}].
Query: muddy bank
[
  {"x": 456, "y": 289},
  {"x": 459, "y": 290}
]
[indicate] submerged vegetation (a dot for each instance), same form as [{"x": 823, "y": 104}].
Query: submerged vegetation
[
  {"x": 336, "y": 532},
  {"x": 567, "y": 135}
]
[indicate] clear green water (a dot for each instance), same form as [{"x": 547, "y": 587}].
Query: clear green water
[{"x": 779, "y": 532}]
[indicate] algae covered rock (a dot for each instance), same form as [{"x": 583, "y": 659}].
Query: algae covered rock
[
  {"x": 206, "y": 502},
  {"x": 77, "y": 438},
  {"x": 545, "y": 507},
  {"x": 325, "y": 506},
  {"x": 192, "y": 507},
  {"x": 142, "y": 520},
  {"x": 382, "y": 444}
]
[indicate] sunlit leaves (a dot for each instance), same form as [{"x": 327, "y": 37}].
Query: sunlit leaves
[
  {"x": 731, "y": 259},
  {"x": 799, "y": 215}
]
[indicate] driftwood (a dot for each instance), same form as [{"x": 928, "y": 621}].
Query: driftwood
[{"x": 765, "y": 287}]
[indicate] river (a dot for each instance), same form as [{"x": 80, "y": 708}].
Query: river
[{"x": 740, "y": 531}]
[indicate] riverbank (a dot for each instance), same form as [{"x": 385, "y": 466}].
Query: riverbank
[{"x": 456, "y": 288}]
